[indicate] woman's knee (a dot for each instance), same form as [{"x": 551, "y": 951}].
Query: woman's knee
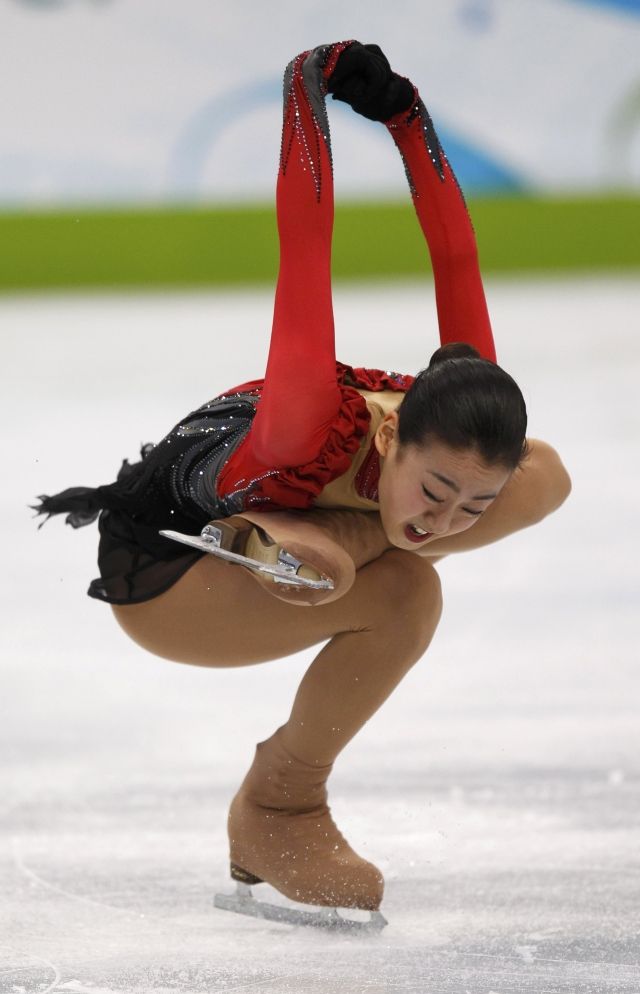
[
  {"x": 408, "y": 596},
  {"x": 548, "y": 481}
]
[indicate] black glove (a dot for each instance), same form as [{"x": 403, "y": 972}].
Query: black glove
[{"x": 364, "y": 79}]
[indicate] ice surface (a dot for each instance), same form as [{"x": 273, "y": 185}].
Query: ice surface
[{"x": 498, "y": 789}]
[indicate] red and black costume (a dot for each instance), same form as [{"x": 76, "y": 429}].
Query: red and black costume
[{"x": 277, "y": 442}]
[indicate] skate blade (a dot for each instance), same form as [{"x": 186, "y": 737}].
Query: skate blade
[
  {"x": 284, "y": 572},
  {"x": 243, "y": 903}
]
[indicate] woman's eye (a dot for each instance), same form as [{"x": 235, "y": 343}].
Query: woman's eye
[
  {"x": 431, "y": 496},
  {"x": 474, "y": 514}
]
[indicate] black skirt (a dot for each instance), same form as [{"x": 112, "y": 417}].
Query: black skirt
[{"x": 171, "y": 487}]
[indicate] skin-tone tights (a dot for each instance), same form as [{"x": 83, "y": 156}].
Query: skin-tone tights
[{"x": 218, "y": 615}]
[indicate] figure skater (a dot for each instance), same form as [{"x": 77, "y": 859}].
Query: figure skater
[{"x": 364, "y": 478}]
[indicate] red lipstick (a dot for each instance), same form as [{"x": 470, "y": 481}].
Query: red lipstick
[{"x": 411, "y": 535}]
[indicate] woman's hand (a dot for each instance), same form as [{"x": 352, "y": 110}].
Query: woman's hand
[{"x": 364, "y": 79}]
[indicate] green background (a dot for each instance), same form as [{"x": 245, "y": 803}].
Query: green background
[{"x": 218, "y": 246}]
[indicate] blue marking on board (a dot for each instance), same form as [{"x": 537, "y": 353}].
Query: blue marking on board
[
  {"x": 631, "y": 7},
  {"x": 206, "y": 126},
  {"x": 477, "y": 15},
  {"x": 476, "y": 169}
]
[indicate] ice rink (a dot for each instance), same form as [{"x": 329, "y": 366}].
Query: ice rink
[{"x": 498, "y": 789}]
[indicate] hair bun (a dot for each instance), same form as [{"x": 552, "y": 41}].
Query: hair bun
[{"x": 454, "y": 350}]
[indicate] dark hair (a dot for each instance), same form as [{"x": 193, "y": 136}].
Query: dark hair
[{"x": 467, "y": 402}]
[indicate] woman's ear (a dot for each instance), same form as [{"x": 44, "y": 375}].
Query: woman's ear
[{"x": 385, "y": 435}]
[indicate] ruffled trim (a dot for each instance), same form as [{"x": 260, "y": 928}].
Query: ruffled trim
[
  {"x": 297, "y": 487},
  {"x": 372, "y": 379},
  {"x": 260, "y": 487},
  {"x": 348, "y": 376}
]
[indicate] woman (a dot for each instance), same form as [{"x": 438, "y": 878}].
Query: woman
[{"x": 365, "y": 477}]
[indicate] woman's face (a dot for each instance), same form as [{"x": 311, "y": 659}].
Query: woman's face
[{"x": 434, "y": 488}]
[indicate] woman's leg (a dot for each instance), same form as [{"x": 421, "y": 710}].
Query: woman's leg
[
  {"x": 217, "y": 615},
  {"x": 280, "y": 827},
  {"x": 537, "y": 488},
  {"x": 324, "y": 543}
]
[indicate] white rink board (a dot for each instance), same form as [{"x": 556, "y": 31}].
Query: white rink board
[
  {"x": 151, "y": 101},
  {"x": 498, "y": 789}
]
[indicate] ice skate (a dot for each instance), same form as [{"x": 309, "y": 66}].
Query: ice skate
[
  {"x": 237, "y": 541},
  {"x": 303, "y": 557},
  {"x": 242, "y": 902},
  {"x": 284, "y": 552},
  {"x": 281, "y": 832}
]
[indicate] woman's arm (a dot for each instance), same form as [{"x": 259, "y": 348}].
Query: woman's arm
[
  {"x": 364, "y": 79},
  {"x": 446, "y": 225},
  {"x": 301, "y": 396}
]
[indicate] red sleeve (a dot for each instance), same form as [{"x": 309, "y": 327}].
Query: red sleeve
[
  {"x": 301, "y": 396},
  {"x": 445, "y": 222}
]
